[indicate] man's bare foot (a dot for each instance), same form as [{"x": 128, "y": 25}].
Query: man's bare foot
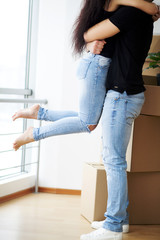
[
  {"x": 30, "y": 113},
  {"x": 26, "y": 137}
]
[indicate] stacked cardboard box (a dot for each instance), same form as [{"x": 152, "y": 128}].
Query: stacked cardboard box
[
  {"x": 143, "y": 153},
  {"x": 149, "y": 75},
  {"x": 143, "y": 161},
  {"x": 143, "y": 158},
  {"x": 144, "y": 197},
  {"x": 94, "y": 192}
]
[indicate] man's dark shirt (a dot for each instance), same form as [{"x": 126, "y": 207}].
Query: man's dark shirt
[
  {"x": 131, "y": 49},
  {"x": 108, "y": 48}
]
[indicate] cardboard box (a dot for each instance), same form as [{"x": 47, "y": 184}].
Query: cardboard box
[
  {"x": 143, "y": 190},
  {"x": 152, "y": 101},
  {"x": 150, "y": 80},
  {"x": 151, "y": 71},
  {"x": 155, "y": 47},
  {"x": 144, "y": 198},
  {"x": 94, "y": 192},
  {"x": 143, "y": 152}
]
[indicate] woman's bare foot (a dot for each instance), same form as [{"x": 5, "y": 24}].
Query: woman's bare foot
[
  {"x": 26, "y": 137},
  {"x": 31, "y": 113}
]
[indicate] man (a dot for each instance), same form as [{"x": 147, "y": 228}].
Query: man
[{"x": 123, "y": 104}]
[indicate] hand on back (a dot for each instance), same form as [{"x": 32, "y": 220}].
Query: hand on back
[
  {"x": 95, "y": 47},
  {"x": 157, "y": 16}
]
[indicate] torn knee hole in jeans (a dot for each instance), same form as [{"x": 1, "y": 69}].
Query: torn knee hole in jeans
[{"x": 92, "y": 127}]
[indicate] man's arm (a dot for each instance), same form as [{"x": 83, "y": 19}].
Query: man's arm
[{"x": 102, "y": 30}]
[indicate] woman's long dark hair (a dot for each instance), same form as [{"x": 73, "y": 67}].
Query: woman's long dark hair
[{"x": 88, "y": 16}]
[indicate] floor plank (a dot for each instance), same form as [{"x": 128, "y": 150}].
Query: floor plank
[{"x": 54, "y": 217}]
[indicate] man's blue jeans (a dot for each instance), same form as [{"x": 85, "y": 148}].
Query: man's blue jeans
[{"x": 119, "y": 112}]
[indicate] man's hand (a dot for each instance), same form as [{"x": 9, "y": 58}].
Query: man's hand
[{"x": 95, "y": 47}]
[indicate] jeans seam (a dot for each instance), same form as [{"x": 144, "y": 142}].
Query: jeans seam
[
  {"x": 96, "y": 71},
  {"x": 39, "y": 113},
  {"x": 34, "y": 134}
]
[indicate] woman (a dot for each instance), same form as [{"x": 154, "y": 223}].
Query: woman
[{"x": 92, "y": 72}]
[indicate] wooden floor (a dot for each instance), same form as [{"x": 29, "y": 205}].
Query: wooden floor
[{"x": 54, "y": 217}]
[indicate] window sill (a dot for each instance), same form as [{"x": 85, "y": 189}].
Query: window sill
[{"x": 16, "y": 184}]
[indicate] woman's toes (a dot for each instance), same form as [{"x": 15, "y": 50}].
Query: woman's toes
[
  {"x": 26, "y": 137},
  {"x": 30, "y": 113},
  {"x": 14, "y": 117}
]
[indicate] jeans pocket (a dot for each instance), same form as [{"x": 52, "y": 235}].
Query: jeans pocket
[
  {"x": 113, "y": 94},
  {"x": 104, "y": 62},
  {"x": 133, "y": 110},
  {"x": 83, "y": 68}
]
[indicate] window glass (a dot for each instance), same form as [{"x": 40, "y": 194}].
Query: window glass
[
  {"x": 13, "y": 49},
  {"x": 13, "y": 25}
]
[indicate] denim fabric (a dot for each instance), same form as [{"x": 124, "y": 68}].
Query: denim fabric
[
  {"x": 92, "y": 73},
  {"x": 119, "y": 112}
]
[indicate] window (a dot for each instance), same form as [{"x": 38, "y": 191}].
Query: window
[{"x": 14, "y": 25}]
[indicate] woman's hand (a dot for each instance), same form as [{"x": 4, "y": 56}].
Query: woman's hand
[
  {"x": 156, "y": 16},
  {"x": 95, "y": 47}
]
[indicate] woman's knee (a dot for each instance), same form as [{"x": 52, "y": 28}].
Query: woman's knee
[{"x": 85, "y": 122}]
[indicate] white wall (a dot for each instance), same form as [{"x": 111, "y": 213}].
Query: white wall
[
  {"x": 62, "y": 157},
  {"x": 157, "y": 24}
]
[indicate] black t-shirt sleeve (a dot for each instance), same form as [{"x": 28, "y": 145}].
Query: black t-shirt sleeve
[{"x": 125, "y": 17}]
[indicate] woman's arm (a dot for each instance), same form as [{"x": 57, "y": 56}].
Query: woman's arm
[
  {"x": 100, "y": 31},
  {"x": 144, "y": 5},
  {"x": 106, "y": 28}
]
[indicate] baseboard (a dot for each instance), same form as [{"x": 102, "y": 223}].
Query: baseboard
[
  {"x": 16, "y": 195},
  {"x": 59, "y": 191},
  {"x": 40, "y": 189}
]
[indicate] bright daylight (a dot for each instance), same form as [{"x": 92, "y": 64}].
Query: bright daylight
[{"x": 79, "y": 119}]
